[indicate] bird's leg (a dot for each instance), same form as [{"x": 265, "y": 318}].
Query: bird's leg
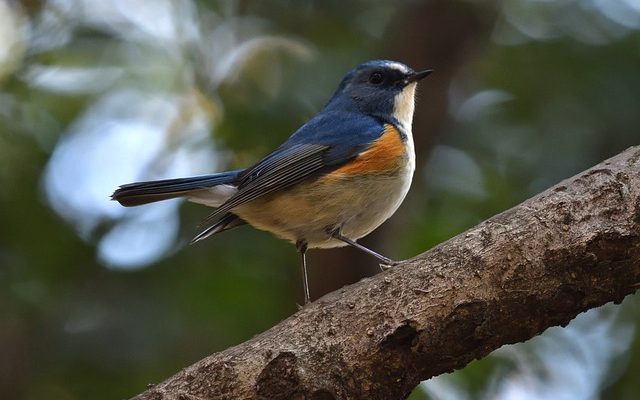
[
  {"x": 385, "y": 261},
  {"x": 301, "y": 245}
]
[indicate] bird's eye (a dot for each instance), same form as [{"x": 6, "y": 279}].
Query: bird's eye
[{"x": 376, "y": 78}]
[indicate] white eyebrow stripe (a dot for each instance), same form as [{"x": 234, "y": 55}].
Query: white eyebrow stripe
[{"x": 400, "y": 67}]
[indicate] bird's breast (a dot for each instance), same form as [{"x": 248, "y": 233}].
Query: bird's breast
[
  {"x": 386, "y": 154},
  {"x": 357, "y": 197}
]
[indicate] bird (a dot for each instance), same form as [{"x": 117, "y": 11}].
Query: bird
[{"x": 333, "y": 181}]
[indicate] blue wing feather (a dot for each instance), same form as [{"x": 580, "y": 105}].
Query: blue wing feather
[
  {"x": 342, "y": 132},
  {"x": 326, "y": 142}
]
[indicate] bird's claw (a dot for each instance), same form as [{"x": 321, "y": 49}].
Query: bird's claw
[{"x": 388, "y": 265}]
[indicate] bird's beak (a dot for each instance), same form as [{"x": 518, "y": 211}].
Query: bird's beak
[{"x": 416, "y": 76}]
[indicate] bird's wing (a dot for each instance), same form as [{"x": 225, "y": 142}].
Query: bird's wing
[{"x": 323, "y": 144}]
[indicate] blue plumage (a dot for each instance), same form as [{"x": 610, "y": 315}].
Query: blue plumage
[{"x": 363, "y": 134}]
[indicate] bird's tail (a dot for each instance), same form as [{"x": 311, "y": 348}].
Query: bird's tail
[{"x": 197, "y": 188}]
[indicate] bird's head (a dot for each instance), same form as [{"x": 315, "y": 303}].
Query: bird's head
[{"x": 381, "y": 88}]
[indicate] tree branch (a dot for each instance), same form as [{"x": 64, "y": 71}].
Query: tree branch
[{"x": 573, "y": 247}]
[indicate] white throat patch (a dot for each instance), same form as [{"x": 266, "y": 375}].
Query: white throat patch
[{"x": 403, "y": 106}]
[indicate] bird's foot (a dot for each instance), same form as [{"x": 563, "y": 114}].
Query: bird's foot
[
  {"x": 388, "y": 264},
  {"x": 301, "y": 306}
]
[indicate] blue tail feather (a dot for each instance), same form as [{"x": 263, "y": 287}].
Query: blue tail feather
[{"x": 138, "y": 193}]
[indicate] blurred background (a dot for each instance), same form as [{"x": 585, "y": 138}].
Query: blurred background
[{"x": 96, "y": 300}]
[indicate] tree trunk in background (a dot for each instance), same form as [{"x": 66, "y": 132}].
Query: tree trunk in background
[{"x": 436, "y": 34}]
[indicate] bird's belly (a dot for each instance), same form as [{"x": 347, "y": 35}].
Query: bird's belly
[{"x": 309, "y": 211}]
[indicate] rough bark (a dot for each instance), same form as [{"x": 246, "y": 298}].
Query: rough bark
[{"x": 537, "y": 265}]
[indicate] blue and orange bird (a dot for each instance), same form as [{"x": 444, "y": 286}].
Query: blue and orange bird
[{"x": 335, "y": 180}]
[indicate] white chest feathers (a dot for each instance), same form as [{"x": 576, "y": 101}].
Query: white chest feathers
[
  {"x": 403, "y": 107},
  {"x": 404, "y": 104}
]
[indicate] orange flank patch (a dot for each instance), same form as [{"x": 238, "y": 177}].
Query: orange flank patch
[{"x": 385, "y": 154}]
